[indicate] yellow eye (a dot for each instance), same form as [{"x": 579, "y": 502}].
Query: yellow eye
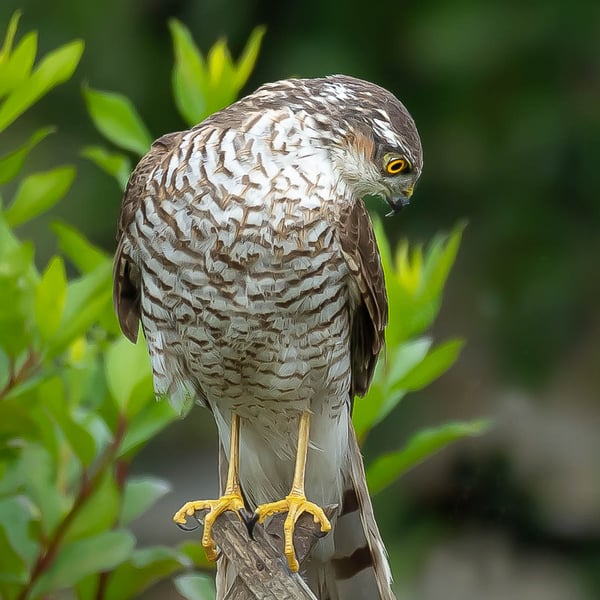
[{"x": 397, "y": 165}]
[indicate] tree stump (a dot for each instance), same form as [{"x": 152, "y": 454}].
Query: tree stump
[{"x": 262, "y": 569}]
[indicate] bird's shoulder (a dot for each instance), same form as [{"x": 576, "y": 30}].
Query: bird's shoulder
[
  {"x": 126, "y": 274},
  {"x": 137, "y": 186}
]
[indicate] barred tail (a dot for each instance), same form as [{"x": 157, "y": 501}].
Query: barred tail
[{"x": 359, "y": 568}]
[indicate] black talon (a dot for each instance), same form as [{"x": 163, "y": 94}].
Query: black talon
[
  {"x": 184, "y": 528},
  {"x": 250, "y": 520}
]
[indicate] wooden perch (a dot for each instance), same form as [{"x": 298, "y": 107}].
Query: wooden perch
[{"x": 262, "y": 569}]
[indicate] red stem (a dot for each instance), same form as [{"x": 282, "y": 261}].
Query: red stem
[
  {"x": 121, "y": 473},
  {"x": 17, "y": 376},
  {"x": 87, "y": 487}
]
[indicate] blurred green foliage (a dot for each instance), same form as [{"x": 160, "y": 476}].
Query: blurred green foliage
[
  {"x": 76, "y": 401},
  {"x": 505, "y": 96}
]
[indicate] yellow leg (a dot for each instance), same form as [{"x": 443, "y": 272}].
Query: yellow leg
[
  {"x": 295, "y": 503},
  {"x": 230, "y": 500}
]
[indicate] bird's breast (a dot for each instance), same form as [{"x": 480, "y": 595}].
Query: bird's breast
[
  {"x": 260, "y": 267},
  {"x": 253, "y": 286}
]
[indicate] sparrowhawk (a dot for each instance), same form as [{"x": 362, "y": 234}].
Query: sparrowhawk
[{"x": 246, "y": 250}]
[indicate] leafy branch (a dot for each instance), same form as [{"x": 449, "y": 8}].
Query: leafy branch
[
  {"x": 89, "y": 483},
  {"x": 17, "y": 375},
  {"x": 76, "y": 397}
]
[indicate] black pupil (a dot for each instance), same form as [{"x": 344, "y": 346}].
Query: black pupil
[{"x": 397, "y": 166}]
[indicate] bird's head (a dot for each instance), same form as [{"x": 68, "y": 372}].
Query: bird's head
[
  {"x": 376, "y": 147},
  {"x": 368, "y": 133},
  {"x": 372, "y": 167}
]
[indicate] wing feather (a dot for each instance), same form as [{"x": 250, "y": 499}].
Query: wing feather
[
  {"x": 370, "y": 314},
  {"x": 126, "y": 275}
]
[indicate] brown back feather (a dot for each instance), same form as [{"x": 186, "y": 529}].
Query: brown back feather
[
  {"x": 126, "y": 275},
  {"x": 371, "y": 314}
]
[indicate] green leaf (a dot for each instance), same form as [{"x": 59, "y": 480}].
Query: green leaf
[
  {"x": 95, "y": 554},
  {"x": 5, "y": 368},
  {"x": 16, "y": 514},
  {"x": 439, "y": 259},
  {"x": 383, "y": 244},
  {"x": 24, "y": 390},
  {"x": 87, "y": 299},
  {"x": 411, "y": 317},
  {"x": 11, "y": 32},
  {"x": 38, "y": 193},
  {"x": 99, "y": 512},
  {"x": 127, "y": 365},
  {"x": 116, "y": 118},
  {"x": 221, "y": 91},
  {"x": 145, "y": 567},
  {"x": 13, "y": 569},
  {"x": 154, "y": 418},
  {"x": 141, "y": 395},
  {"x": 247, "y": 61},
  {"x": 82, "y": 253},
  {"x": 414, "y": 281},
  {"x": 40, "y": 484},
  {"x": 18, "y": 279},
  {"x": 189, "y": 80},
  {"x": 114, "y": 163},
  {"x": 15, "y": 418},
  {"x": 9, "y": 242},
  {"x": 109, "y": 323},
  {"x": 385, "y": 469},
  {"x": 80, "y": 440},
  {"x": 367, "y": 409},
  {"x": 387, "y": 388},
  {"x": 437, "y": 361},
  {"x": 96, "y": 426},
  {"x": 17, "y": 68},
  {"x": 140, "y": 494},
  {"x": 11, "y": 163},
  {"x": 50, "y": 297},
  {"x": 202, "y": 87},
  {"x": 220, "y": 66},
  {"x": 55, "y": 68},
  {"x": 197, "y": 555},
  {"x": 57, "y": 403},
  {"x": 195, "y": 587},
  {"x": 401, "y": 360}
]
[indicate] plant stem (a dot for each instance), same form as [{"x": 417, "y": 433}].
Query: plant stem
[
  {"x": 121, "y": 473},
  {"x": 17, "y": 376},
  {"x": 87, "y": 487}
]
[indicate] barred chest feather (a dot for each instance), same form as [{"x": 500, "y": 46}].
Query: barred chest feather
[{"x": 244, "y": 287}]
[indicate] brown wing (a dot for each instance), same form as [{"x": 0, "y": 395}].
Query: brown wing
[
  {"x": 126, "y": 275},
  {"x": 370, "y": 315}
]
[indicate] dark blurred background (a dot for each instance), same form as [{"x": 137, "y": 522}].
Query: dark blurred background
[{"x": 506, "y": 96}]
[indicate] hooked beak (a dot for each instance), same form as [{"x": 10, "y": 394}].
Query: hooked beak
[{"x": 398, "y": 201}]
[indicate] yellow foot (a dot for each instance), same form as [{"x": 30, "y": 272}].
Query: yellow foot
[
  {"x": 294, "y": 505},
  {"x": 216, "y": 507}
]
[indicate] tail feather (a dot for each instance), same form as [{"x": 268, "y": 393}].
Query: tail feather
[{"x": 358, "y": 569}]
